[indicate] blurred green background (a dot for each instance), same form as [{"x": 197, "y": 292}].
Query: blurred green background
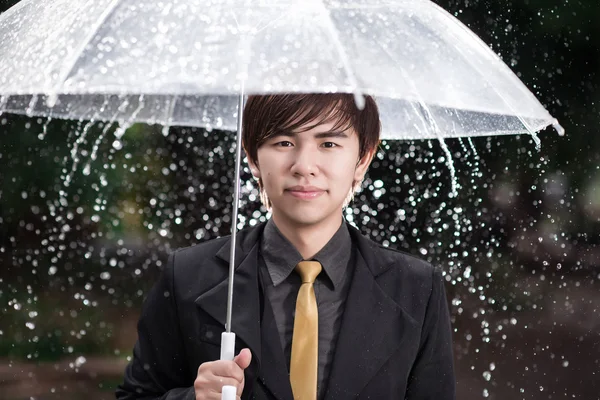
[{"x": 520, "y": 243}]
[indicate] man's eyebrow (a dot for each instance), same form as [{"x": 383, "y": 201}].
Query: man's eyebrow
[
  {"x": 331, "y": 134},
  {"x": 284, "y": 133},
  {"x": 322, "y": 135}
]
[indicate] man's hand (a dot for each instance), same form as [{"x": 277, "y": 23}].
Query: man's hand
[{"x": 212, "y": 376}]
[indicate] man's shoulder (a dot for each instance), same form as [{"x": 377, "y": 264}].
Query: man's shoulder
[
  {"x": 245, "y": 239},
  {"x": 400, "y": 262},
  {"x": 201, "y": 250},
  {"x": 403, "y": 259},
  {"x": 196, "y": 268},
  {"x": 405, "y": 277},
  {"x": 207, "y": 252}
]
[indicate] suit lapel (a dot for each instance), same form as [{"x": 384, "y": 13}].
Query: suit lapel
[
  {"x": 246, "y": 301},
  {"x": 372, "y": 326},
  {"x": 261, "y": 337}
]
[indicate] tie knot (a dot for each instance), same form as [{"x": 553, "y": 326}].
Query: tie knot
[{"x": 308, "y": 270}]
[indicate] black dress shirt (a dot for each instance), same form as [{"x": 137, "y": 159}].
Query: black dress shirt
[{"x": 331, "y": 289}]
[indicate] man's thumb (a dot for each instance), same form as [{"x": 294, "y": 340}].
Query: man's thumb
[{"x": 243, "y": 359}]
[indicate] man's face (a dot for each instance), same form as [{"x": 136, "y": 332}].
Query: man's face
[{"x": 308, "y": 175}]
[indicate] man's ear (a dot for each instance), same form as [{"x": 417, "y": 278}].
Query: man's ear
[
  {"x": 363, "y": 165},
  {"x": 254, "y": 169}
]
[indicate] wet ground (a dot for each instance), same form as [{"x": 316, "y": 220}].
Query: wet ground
[{"x": 93, "y": 380}]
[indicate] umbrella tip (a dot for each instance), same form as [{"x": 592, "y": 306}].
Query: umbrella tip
[
  {"x": 558, "y": 128},
  {"x": 359, "y": 100}
]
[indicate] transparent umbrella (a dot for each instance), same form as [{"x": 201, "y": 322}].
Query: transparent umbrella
[
  {"x": 190, "y": 60},
  {"x": 191, "y": 63}
]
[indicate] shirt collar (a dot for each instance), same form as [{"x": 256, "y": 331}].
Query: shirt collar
[{"x": 281, "y": 257}]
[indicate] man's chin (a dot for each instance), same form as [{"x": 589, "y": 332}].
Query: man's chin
[{"x": 307, "y": 218}]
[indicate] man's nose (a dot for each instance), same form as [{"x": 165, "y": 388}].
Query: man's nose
[{"x": 305, "y": 161}]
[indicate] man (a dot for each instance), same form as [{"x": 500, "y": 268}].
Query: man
[{"x": 356, "y": 321}]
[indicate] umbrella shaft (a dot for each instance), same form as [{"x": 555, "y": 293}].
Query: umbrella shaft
[{"x": 236, "y": 203}]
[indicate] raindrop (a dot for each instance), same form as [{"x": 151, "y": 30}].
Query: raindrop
[
  {"x": 75, "y": 152},
  {"x": 31, "y": 107},
  {"x": 80, "y": 361},
  {"x": 536, "y": 140},
  {"x": 450, "y": 165},
  {"x": 42, "y": 135}
]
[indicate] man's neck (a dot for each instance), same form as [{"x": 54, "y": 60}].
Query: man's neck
[{"x": 308, "y": 239}]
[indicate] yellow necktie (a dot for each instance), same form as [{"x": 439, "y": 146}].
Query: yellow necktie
[{"x": 305, "y": 342}]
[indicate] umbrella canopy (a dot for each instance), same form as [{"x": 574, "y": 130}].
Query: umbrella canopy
[{"x": 186, "y": 62}]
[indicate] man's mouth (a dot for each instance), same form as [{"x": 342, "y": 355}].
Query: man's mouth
[{"x": 305, "y": 192}]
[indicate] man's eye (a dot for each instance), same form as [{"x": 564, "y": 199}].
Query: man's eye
[
  {"x": 329, "y": 145},
  {"x": 284, "y": 143}
]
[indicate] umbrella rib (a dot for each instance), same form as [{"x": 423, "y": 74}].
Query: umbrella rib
[
  {"x": 345, "y": 63},
  {"x": 524, "y": 90},
  {"x": 426, "y": 120},
  {"x": 483, "y": 75},
  {"x": 3, "y": 103},
  {"x": 171, "y": 111},
  {"x": 71, "y": 63}
]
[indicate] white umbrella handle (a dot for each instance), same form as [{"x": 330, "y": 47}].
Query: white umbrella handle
[{"x": 228, "y": 353}]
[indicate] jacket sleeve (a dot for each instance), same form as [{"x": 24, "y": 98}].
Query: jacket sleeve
[
  {"x": 432, "y": 375},
  {"x": 158, "y": 369}
]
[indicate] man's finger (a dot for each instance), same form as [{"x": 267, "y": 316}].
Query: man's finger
[
  {"x": 243, "y": 359},
  {"x": 228, "y": 369},
  {"x": 215, "y": 383}
]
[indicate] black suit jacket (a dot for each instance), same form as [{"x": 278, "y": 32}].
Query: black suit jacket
[{"x": 394, "y": 342}]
